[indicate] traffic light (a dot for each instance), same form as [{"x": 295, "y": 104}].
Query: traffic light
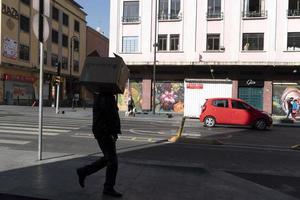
[{"x": 57, "y": 79}]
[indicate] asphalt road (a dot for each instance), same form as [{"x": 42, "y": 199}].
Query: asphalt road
[{"x": 262, "y": 157}]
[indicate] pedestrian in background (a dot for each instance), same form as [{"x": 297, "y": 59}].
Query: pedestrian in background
[
  {"x": 106, "y": 127},
  {"x": 131, "y": 106},
  {"x": 289, "y": 107},
  {"x": 295, "y": 108}
]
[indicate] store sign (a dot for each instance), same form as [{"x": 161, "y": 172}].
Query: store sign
[
  {"x": 10, "y": 48},
  {"x": 194, "y": 86},
  {"x": 10, "y": 11},
  {"x": 10, "y": 77},
  {"x": 250, "y": 82}
]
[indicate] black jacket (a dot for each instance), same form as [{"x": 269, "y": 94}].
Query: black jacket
[{"x": 106, "y": 120}]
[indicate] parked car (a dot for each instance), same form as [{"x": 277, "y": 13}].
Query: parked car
[{"x": 234, "y": 112}]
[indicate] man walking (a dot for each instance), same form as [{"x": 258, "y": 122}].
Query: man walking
[{"x": 106, "y": 127}]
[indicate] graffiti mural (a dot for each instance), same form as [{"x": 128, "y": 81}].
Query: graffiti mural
[
  {"x": 169, "y": 97},
  {"x": 281, "y": 93},
  {"x": 136, "y": 93}
]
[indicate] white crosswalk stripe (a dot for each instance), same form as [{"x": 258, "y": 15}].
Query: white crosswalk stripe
[
  {"x": 16, "y": 130},
  {"x": 2, "y": 141}
]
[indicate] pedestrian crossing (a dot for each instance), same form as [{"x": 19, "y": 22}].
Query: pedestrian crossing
[{"x": 19, "y": 130}]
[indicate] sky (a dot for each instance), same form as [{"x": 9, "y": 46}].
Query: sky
[{"x": 98, "y": 14}]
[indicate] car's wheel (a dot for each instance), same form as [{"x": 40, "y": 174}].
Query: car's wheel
[
  {"x": 209, "y": 122},
  {"x": 260, "y": 124}
]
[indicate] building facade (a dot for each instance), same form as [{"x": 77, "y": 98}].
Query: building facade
[
  {"x": 253, "y": 43},
  {"x": 65, "y": 47}
]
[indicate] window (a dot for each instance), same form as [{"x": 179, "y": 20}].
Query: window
[
  {"x": 253, "y": 41},
  {"x": 55, "y": 13},
  {"x": 76, "y": 66},
  {"x": 54, "y": 36},
  {"x": 162, "y": 42},
  {"x": 213, "y": 42},
  {"x": 24, "y": 23},
  {"x": 294, "y": 8},
  {"x": 131, "y": 11},
  {"x": 76, "y": 45},
  {"x": 175, "y": 8},
  {"x": 214, "y": 9},
  {"x": 174, "y": 42},
  {"x": 239, "y": 105},
  {"x": 65, "y": 19},
  {"x": 27, "y": 2},
  {"x": 64, "y": 63},
  {"x": 293, "y": 43},
  {"x": 166, "y": 12},
  {"x": 254, "y": 8},
  {"x": 220, "y": 103},
  {"x": 65, "y": 40},
  {"x": 76, "y": 26},
  {"x": 24, "y": 52},
  {"x": 130, "y": 44},
  {"x": 54, "y": 60}
]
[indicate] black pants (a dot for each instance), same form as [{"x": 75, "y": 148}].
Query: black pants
[{"x": 109, "y": 160}]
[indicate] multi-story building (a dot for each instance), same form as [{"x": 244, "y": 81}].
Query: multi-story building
[
  {"x": 253, "y": 43},
  {"x": 65, "y": 46}
]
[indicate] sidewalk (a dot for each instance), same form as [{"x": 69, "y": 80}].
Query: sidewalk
[{"x": 137, "y": 179}]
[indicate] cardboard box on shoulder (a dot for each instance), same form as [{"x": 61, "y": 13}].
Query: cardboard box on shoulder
[{"x": 104, "y": 74}]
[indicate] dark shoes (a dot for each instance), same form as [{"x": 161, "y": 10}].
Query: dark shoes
[
  {"x": 111, "y": 192},
  {"x": 81, "y": 176}
]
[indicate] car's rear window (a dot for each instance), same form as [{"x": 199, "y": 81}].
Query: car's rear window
[{"x": 220, "y": 103}]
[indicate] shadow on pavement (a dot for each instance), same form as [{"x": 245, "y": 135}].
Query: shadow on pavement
[
  {"x": 166, "y": 171},
  {"x": 284, "y": 184}
]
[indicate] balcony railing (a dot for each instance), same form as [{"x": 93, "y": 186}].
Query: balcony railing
[
  {"x": 135, "y": 19},
  {"x": 166, "y": 17},
  {"x": 214, "y": 15},
  {"x": 255, "y": 14},
  {"x": 293, "y": 13}
]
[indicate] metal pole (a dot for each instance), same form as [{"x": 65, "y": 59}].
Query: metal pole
[
  {"x": 71, "y": 65},
  {"x": 154, "y": 59},
  {"x": 41, "y": 39},
  {"x": 57, "y": 98},
  {"x": 41, "y": 102}
]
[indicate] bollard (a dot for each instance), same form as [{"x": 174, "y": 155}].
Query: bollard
[{"x": 179, "y": 132}]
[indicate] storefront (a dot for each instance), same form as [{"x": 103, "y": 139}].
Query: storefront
[
  {"x": 252, "y": 92},
  {"x": 18, "y": 90}
]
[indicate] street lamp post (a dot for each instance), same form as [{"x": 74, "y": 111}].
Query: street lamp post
[
  {"x": 154, "y": 59},
  {"x": 73, "y": 38}
]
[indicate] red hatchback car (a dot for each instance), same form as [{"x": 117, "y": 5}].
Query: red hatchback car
[{"x": 234, "y": 112}]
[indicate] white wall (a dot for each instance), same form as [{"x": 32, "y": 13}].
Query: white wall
[{"x": 194, "y": 27}]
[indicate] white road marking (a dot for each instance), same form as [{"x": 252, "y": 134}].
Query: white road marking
[
  {"x": 26, "y": 132},
  {"x": 36, "y": 125},
  {"x": 32, "y": 129},
  {"x": 13, "y": 142}
]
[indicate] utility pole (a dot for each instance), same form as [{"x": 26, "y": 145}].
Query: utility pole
[
  {"x": 41, "y": 31},
  {"x": 154, "y": 60}
]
